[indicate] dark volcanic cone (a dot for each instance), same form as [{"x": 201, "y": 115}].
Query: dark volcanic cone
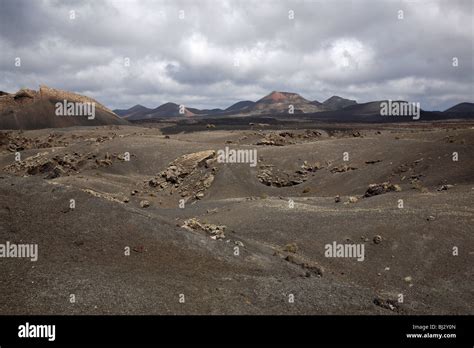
[{"x": 30, "y": 109}]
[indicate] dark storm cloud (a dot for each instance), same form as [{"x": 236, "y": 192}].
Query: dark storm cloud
[{"x": 225, "y": 51}]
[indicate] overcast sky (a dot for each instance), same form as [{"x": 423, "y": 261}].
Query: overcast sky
[{"x": 225, "y": 51}]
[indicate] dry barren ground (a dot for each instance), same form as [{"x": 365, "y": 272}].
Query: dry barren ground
[{"x": 206, "y": 237}]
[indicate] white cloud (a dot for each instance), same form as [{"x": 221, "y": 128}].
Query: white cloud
[{"x": 354, "y": 49}]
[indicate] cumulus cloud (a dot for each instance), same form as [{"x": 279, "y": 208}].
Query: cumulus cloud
[{"x": 212, "y": 53}]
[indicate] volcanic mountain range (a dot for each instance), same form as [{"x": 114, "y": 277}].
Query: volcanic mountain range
[
  {"x": 30, "y": 109},
  {"x": 273, "y": 103},
  {"x": 282, "y": 103}
]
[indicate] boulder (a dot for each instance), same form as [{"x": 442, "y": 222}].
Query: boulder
[{"x": 378, "y": 189}]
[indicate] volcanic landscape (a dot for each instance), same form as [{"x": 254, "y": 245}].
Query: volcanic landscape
[{"x": 136, "y": 215}]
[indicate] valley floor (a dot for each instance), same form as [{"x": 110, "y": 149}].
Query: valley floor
[{"x": 165, "y": 234}]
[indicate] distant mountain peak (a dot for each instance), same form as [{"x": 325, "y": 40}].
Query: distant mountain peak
[
  {"x": 138, "y": 107},
  {"x": 336, "y": 102},
  {"x": 240, "y": 105},
  {"x": 462, "y": 107},
  {"x": 277, "y": 96},
  {"x": 283, "y": 102},
  {"x": 334, "y": 97},
  {"x": 167, "y": 104}
]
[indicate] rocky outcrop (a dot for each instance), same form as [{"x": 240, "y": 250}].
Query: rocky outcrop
[
  {"x": 271, "y": 176},
  {"x": 378, "y": 189},
  {"x": 189, "y": 175},
  {"x": 287, "y": 138},
  {"x": 342, "y": 169},
  {"x": 215, "y": 231},
  {"x": 60, "y": 165},
  {"x": 16, "y": 142}
]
